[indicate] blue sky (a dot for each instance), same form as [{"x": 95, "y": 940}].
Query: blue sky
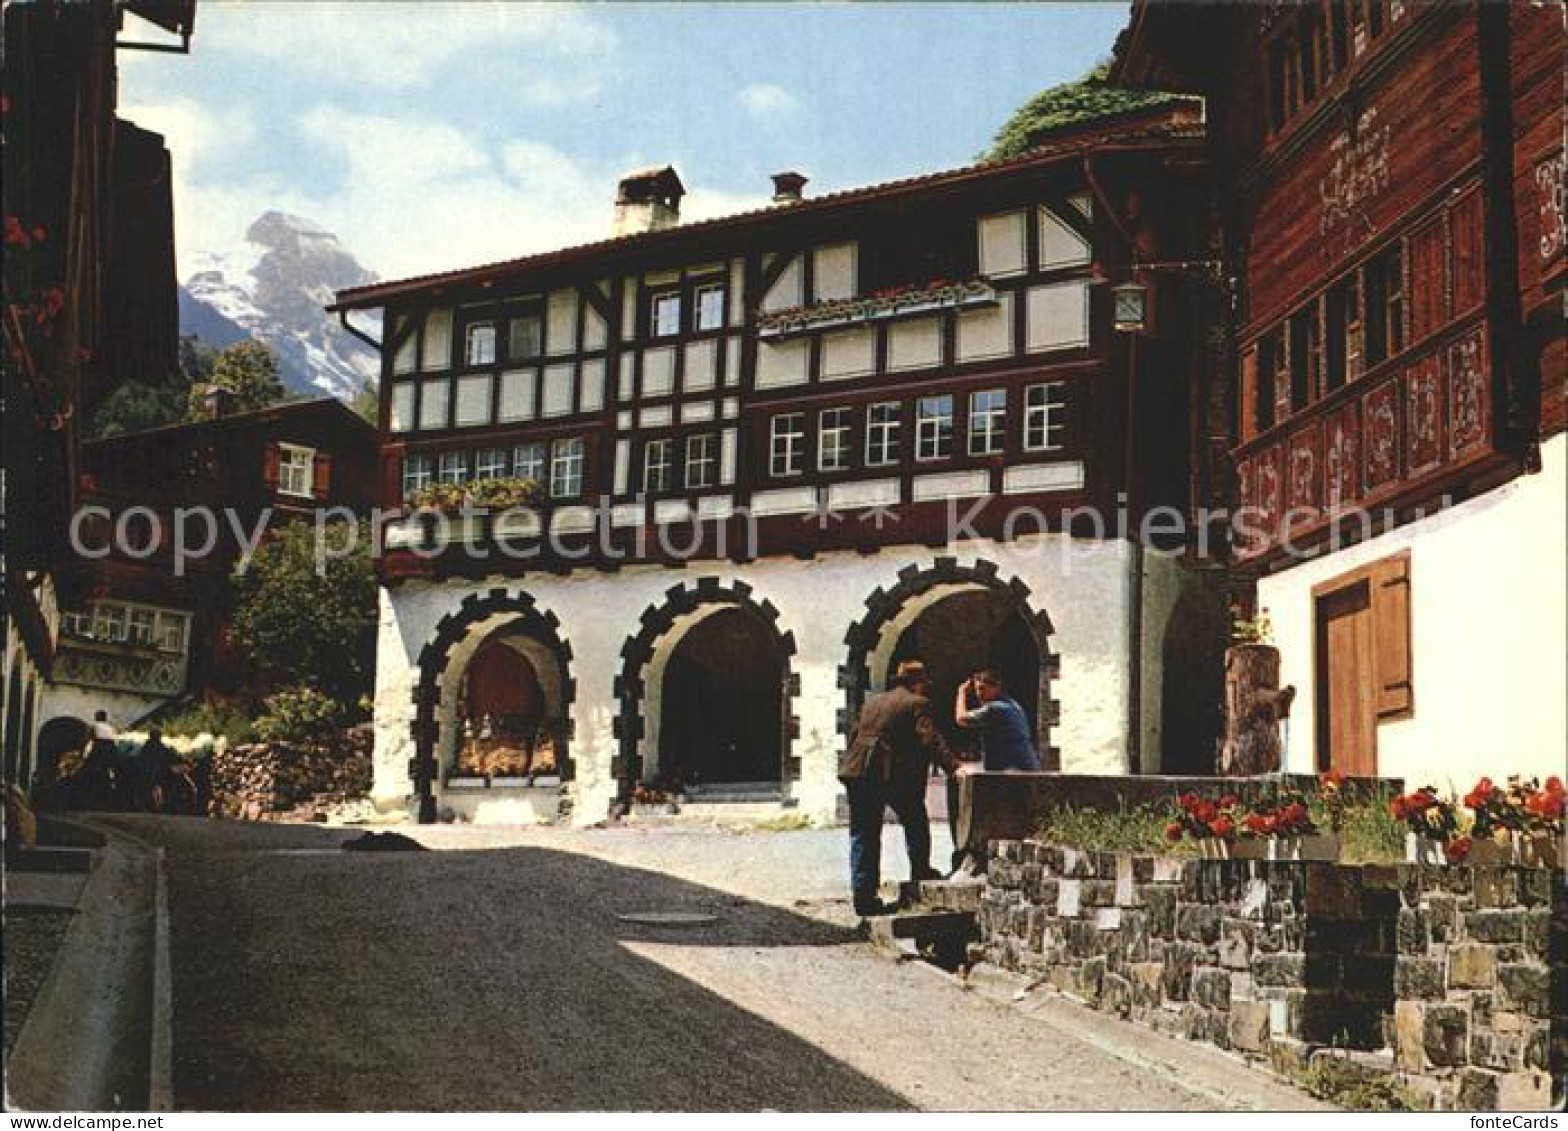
[{"x": 434, "y": 135}]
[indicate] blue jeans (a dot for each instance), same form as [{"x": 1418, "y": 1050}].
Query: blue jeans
[{"x": 867, "y": 800}]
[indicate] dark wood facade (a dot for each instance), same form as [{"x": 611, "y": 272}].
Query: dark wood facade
[
  {"x": 947, "y": 295},
  {"x": 1392, "y": 203}
]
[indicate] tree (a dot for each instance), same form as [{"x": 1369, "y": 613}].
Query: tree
[
  {"x": 249, "y": 371},
  {"x": 304, "y": 626},
  {"x": 367, "y": 403},
  {"x": 1089, "y": 98}
]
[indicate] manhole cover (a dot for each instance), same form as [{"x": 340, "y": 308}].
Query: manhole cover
[{"x": 667, "y": 918}]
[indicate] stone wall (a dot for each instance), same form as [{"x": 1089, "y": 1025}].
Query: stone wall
[{"x": 1453, "y": 978}]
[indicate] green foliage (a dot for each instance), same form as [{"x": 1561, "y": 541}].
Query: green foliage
[
  {"x": 220, "y": 719},
  {"x": 1371, "y": 834},
  {"x": 1140, "y": 829},
  {"x": 249, "y": 371},
  {"x": 1070, "y": 104},
  {"x": 1341, "y": 1083},
  {"x": 135, "y": 407},
  {"x": 298, "y": 715},
  {"x": 367, "y": 404},
  {"x": 197, "y": 360},
  {"x": 306, "y": 617},
  {"x": 496, "y": 493}
]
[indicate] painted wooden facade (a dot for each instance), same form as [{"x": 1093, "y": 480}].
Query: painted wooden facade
[
  {"x": 841, "y": 369},
  {"x": 1391, "y": 189}
]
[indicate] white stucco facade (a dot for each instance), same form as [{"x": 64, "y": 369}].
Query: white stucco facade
[
  {"x": 1082, "y": 586},
  {"x": 1487, "y": 615}
]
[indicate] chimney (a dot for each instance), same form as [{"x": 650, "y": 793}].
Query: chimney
[
  {"x": 787, "y": 186},
  {"x": 648, "y": 200},
  {"x": 218, "y": 401}
]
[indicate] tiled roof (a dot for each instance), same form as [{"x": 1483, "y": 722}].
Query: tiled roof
[{"x": 1074, "y": 141}]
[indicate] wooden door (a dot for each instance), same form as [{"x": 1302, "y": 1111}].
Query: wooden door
[{"x": 1347, "y": 681}]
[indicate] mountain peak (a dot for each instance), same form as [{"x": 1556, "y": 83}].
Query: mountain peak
[{"x": 272, "y": 290}]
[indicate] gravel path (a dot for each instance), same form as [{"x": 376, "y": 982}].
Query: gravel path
[
  {"x": 495, "y": 974},
  {"x": 32, "y": 939}
]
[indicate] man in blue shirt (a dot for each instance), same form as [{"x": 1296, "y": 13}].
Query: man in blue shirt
[{"x": 1005, "y": 739}]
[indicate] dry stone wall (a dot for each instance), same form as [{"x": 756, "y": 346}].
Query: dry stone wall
[{"x": 1454, "y": 977}]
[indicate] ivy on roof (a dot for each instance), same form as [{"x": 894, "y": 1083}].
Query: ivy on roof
[{"x": 1070, "y": 104}]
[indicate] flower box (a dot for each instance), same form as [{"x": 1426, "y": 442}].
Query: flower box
[
  {"x": 906, "y": 303},
  {"x": 1312, "y": 846},
  {"x": 1215, "y": 848},
  {"x": 1491, "y": 853},
  {"x": 1543, "y": 850}
]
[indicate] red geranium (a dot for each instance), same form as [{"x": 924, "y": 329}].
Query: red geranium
[{"x": 1457, "y": 849}]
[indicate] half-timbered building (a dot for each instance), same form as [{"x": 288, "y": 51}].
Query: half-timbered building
[
  {"x": 781, "y": 451},
  {"x": 1390, "y": 178}
]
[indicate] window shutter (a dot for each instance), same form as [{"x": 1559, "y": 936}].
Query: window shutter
[
  {"x": 321, "y": 475},
  {"x": 269, "y": 466},
  {"x": 1391, "y": 636}
]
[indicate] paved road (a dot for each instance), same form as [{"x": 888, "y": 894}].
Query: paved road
[{"x": 494, "y": 973}]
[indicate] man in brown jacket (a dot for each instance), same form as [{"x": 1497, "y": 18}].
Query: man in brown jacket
[{"x": 887, "y": 764}]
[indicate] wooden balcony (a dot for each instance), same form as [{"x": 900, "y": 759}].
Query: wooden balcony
[{"x": 1400, "y": 435}]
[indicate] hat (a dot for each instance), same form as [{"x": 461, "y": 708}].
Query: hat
[{"x": 909, "y": 671}]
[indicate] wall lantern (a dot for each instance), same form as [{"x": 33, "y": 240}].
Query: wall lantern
[{"x": 1130, "y": 308}]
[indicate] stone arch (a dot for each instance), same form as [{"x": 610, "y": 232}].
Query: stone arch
[
  {"x": 662, "y": 626},
  {"x": 481, "y": 614},
  {"x": 61, "y": 735},
  {"x": 916, "y": 589}
]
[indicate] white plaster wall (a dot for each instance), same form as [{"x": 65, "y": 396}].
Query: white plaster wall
[
  {"x": 1082, "y": 585},
  {"x": 68, "y": 700},
  {"x": 1487, "y": 582}
]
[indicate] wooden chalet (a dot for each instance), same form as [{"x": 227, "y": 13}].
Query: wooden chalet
[
  {"x": 754, "y": 434},
  {"x": 1390, "y": 180}
]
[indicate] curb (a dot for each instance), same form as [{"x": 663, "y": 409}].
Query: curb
[{"x": 99, "y": 1034}]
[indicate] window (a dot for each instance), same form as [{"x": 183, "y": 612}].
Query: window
[
  {"x": 788, "y": 448},
  {"x": 1044, "y": 417},
  {"x": 402, "y": 406},
  {"x": 566, "y": 468},
  {"x": 490, "y": 463},
  {"x": 1385, "y": 299},
  {"x": 666, "y": 311},
  {"x": 1306, "y": 357},
  {"x": 702, "y": 461},
  {"x": 1344, "y": 359},
  {"x": 527, "y": 336},
  {"x": 479, "y": 347},
  {"x": 710, "y": 306},
  {"x": 296, "y": 466},
  {"x": 109, "y": 623},
  {"x": 934, "y": 427},
  {"x": 658, "y": 466},
  {"x": 416, "y": 474},
  {"x": 1271, "y": 353},
  {"x": 528, "y": 462},
  {"x": 833, "y": 440},
  {"x": 882, "y": 423},
  {"x": 987, "y": 422},
  {"x": 452, "y": 467},
  {"x": 142, "y": 630},
  {"x": 171, "y": 632}
]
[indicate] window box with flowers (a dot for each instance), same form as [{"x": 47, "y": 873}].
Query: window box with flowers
[
  {"x": 1284, "y": 828},
  {"x": 1210, "y": 824},
  {"x": 502, "y": 507},
  {"x": 895, "y": 302},
  {"x": 1521, "y": 823},
  {"x": 1432, "y": 829}
]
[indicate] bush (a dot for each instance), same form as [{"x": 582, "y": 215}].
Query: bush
[
  {"x": 220, "y": 720},
  {"x": 299, "y": 715}
]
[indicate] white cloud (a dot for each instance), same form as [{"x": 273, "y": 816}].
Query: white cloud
[
  {"x": 767, "y": 100},
  {"x": 401, "y": 46}
]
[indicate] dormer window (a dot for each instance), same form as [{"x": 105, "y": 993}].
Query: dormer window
[
  {"x": 665, "y": 315},
  {"x": 710, "y": 307},
  {"x": 479, "y": 347}
]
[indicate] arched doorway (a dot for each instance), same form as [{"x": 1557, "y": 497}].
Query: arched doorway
[
  {"x": 494, "y": 699},
  {"x": 721, "y": 705},
  {"x": 956, "y": 619},
  {"x": 957, "y": 633},
  {"x": 704, "y": 693},
  {"x": 506, "y": 722},
  {"x": 59, "y": 741}
]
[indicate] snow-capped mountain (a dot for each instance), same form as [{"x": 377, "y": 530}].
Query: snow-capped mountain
[{"x": 274, "y": 288}]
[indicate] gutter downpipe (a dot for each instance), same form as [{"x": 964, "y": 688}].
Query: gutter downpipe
[{"x": 1129, "y": 462}]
